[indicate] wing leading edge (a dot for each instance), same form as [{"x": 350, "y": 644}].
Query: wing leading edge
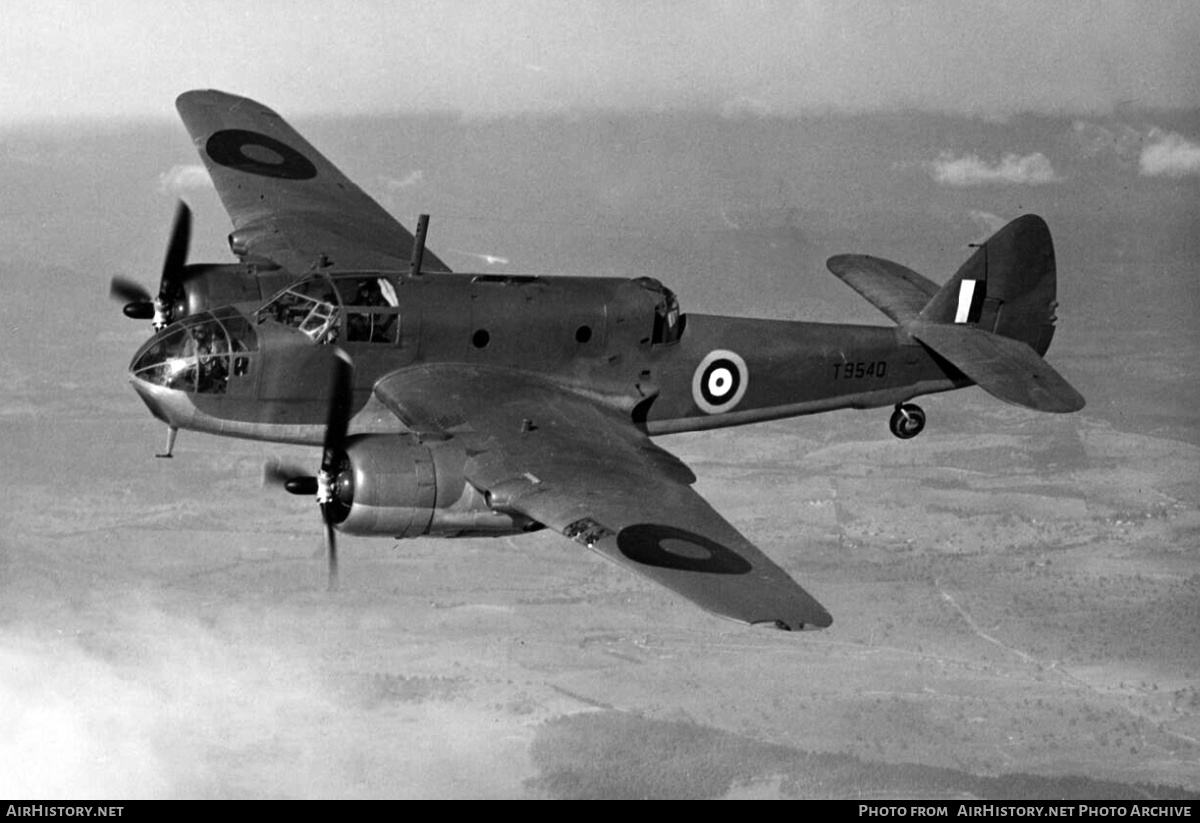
[
  {"x": 587, "y": 472},
  {"x": 288, "y": 203}
]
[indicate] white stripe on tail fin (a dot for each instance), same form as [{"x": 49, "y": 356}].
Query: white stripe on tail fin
[{"x": 966, "y": 294}]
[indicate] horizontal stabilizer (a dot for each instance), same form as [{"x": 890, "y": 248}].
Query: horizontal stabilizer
[
  {"x": 897, "y": 291},
  {"x": 1003, "y": 367}
]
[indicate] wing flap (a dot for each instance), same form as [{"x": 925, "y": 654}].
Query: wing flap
[
  {"x": 585, "y": 471},
  {"x": 897, "y": 291},
  {"x": 1005, "y": 368},
  {"x": 288, "y": 203}
]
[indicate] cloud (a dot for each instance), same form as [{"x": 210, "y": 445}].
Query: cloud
[
  {"x": 182, "y": 178},
  {"x": 1157, "y": 152},
  {"x": 969, "y": 170},
  {"x": 141, "y": 707},
  {"x": 63, "y": 739},
  {"x": 745, "y": 108},
  {"x": 987, "y": 222},
  {"x": 1094, "y": 140},
  {"x": 490, "y": 259},
  {"x": 1169, "y": 154},
  {"x": 395, "y": 183}
]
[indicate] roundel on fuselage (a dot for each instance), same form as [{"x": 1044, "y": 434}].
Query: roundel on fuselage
[{"x": 720, "y": 381}]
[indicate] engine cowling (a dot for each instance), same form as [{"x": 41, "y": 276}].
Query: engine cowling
[
  {"x": 398, "y": 486},
  {"x": 207, "y": 286}
]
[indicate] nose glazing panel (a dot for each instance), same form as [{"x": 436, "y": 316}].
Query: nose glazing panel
[{"x": 199, "y": 354}]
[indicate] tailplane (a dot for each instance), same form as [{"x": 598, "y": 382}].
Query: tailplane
[{"x": 1003, "y": 367}]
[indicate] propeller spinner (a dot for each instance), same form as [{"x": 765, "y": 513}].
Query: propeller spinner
[
  {"x": 139, "y": 304},
  {"x": 327, "y": 484}
]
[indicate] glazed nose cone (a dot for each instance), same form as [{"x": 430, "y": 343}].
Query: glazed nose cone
[{"x": 172, "y": 406}]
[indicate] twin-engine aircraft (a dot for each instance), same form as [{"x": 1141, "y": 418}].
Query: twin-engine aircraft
[{"x": 479, "y": 404}]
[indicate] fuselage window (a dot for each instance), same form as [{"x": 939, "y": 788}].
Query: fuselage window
[
  {"x": 310, "y": 306},
  {"x": 363, "y": 325},
  {"x": 668, "y": 322},
  {"x": 240, "y": 332}
]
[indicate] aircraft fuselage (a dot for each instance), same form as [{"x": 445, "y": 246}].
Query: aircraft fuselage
[{"x": 259, "y": 372}]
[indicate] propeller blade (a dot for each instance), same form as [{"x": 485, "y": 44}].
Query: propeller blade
[
  {"x": 127, "y": 291},
  {"x": 337, "y": 422},
  {"x": 330, "y": 546},
  {"x": 177, "y": 252},
  {"x": 139, "y": 303}
]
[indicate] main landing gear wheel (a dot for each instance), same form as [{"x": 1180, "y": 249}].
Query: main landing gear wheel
[{"x": 908, "y": 420}]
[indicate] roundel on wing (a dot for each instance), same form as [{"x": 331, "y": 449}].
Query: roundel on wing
[
  {"x": 720, "y": 381},
  {"x": 669, "y": 547},
  {"x": 259, "y": 154}
]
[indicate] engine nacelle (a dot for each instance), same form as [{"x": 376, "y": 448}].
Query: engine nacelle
[
  {"x": 208, "y": 286},
  {"x": 394, "y": 485}
]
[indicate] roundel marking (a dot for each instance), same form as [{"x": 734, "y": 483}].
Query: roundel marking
[
  {"x": 669, "y": 547},
  {"x": 256, "y": 153},
  {"x": 720, "y": 381}
]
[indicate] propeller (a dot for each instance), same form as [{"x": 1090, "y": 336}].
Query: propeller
[
  {"x": 327, "y": 483},
  {"x": 139, "y": 303}
]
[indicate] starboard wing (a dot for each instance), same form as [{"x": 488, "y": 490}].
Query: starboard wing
[
  {"x": 289, "y": 204},
  {"x": 586, "y": 471}
]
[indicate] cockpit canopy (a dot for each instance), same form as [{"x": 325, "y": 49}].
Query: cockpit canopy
[
  {"x": 200, "y": 353},
  {"x": 355, "y": 307},
  {"x": 668, "y": 322}
]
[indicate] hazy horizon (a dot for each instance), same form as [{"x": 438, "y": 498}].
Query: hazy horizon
[{"x": 129, "y": 58}]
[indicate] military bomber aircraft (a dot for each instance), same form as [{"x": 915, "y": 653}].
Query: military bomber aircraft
[{"x": 480, "y": 404}]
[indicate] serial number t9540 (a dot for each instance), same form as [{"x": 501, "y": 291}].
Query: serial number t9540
[{"x": 858, "y": 371}]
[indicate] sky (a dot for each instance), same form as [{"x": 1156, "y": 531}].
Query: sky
[{"x": 72, "y": 59}]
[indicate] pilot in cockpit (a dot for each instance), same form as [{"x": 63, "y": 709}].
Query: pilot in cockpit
[
  {"x": 206, "y": 364},
  {"x": 364, "y": 327},
  {"x": 368, "y": 294}
]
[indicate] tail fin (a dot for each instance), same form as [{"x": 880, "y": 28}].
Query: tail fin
[
  {"x": 1007, "y": 287},
  {"x": 1002, "y": 297},
  {"x": 992, "y": 321}
]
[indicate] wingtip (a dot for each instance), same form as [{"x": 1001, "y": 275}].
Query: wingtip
[
  {"x": 1066, "y": 402},
  {"x": 839, "y": 264},
  {"x": 813, "y": 617},
  {"x": 197, "y": 95},
  {"x": 823, "y": 621},
  {"x": 215, "y": 98}
]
